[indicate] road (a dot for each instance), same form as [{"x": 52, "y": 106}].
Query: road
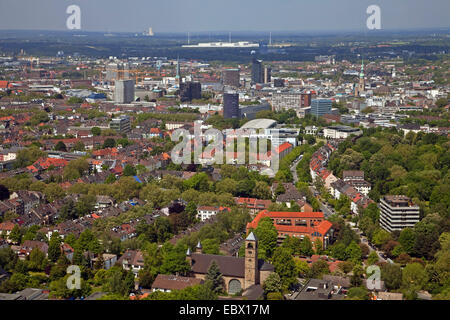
[
  {"x": 294, "y": 168},
  {"x": 327, "y": 211}
]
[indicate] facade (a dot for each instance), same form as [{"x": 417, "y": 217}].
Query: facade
[
  {"x": 267, "y": 76},
  {"x": 297, "y": 224},
  {"x": 231, "y": 77},
  {"x": 122, "y": 124},
  {"x": 124, "y": 91},
  {"x": 320, "y": 107},
  {"x": 206, "y": 212},
  {"x": 190, "y": 90},
  {"x": 257, "y": 71},
  {"x": 341, "y": 132},
  {"x": 132, "y": 260},
  {"x": 250, "y": 112},
  {"x": 278, "y": 83},
  {"x": 398, "y": 212},
  {"x": 290, "y": 100},
  {"x": 231, "y": 105}
]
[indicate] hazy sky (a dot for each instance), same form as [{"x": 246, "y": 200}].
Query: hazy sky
[{"x": 223, "y": 15}]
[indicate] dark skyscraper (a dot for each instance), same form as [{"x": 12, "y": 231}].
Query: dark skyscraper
[
  {"x": 257, "y": 71},
  {"x": 190, "y": 90},
  {"x": 231, "y": 105},
  {"x": 230, "y": 77}
]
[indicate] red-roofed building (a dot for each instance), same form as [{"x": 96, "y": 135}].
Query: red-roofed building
[
  {"x": 254, "y": 205},
  {"x": 297, "y": 224},
  {"x": 45, "y": 163},
  {"x": 284, "y": 149}
]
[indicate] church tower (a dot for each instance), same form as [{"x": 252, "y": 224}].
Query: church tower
[
  {"x": 251, "y": 276},
  {"x": 362, "y": 82}
]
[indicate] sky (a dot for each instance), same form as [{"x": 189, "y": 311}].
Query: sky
[{"x": 223, "y": 15}]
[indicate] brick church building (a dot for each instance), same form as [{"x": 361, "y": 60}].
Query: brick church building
[{"x": 244, "y": 275}]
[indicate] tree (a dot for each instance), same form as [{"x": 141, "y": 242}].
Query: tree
[
  {"x": 306, "y": 248},
  {"x": 272, "y": 283},
  {"x": 380, "y": 237},
  {"x": 96, "y": 131},
  {"x": 414, "y": 277},
  {"x": 319, "y": 268},
  {"x": 358, "y": 293},
  {"x": 79, "y": 146},
  {"x": 211, "y": 246},
  {"x": 15, "y": 235},
  {"x": 391, "y": 274},
  {"x": 353, "y": 252},
  {"x": 407, "y": 239},
  {"x": 54, "y": 247},
  {"x": 356, "y": 278},
  {"x": 285, "y": 266},
  {"x": 129, "y": 170},
  {"x": 318, "y": 246},
  {"x": 280, "y": 189},
  {"x": 37, "y": 260},
  {"x": 302, "y": 268},
  {"x": 213, "y": 274},
  {"x": 174, "y": 259},
  {"x": 226, "y": 185},
  {"x": 53, "y": 191},
  {"x": 372, "y": 258},
  {"x": 60, "y": 146},
  {"x": 109, "y": 143},
  {"x": 267, "y": 237},
  {"x": 346, "y": 266},
  {"x": 4, "y": 192},
  {"x": 261, "y": 190}
]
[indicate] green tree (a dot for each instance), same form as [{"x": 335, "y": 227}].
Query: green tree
[
  {"x": 272, "y": 283},
  {"x": 60, "y": 146},
  {"x": 306, "y": 248},
  {"x": 54, "y": 247},
  {"x": 215, "y": 277},
  {"x": 109, "y": 143},
  {"x": 319, "y": 268},
  {"x": 285, "y": 266},
  {"x": 129, "y": 170},
  {"x": 391, "y": 274},
  {"x": 414, "y": 277},
  {"x": 353, "y": 252},
  {"x": 15, "y": 235},
  {"x": 267, "y": 237},
  {"x": 96, "y": 131},
  {"x": 407, "y": 239},
  {"x": 372, "y": 258}
]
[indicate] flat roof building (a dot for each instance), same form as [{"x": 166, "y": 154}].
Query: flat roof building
[{"x": 398, "y": 212}]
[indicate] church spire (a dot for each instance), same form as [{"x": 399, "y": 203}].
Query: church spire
[{"x": 361, "y": 75}]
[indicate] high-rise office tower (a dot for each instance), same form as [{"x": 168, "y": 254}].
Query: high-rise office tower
[
  {"x": 320, "y": 107},
  {"x": 267, "y": 74},
  {"x": 257, "y": 71},
  {"x": 124, "y": 91},
  {"x": 231, "y": 105},
  {"x": 190, "y": 90},
  {"x": 121, "y": 124},
  {"x": 231, "y": 77}
]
